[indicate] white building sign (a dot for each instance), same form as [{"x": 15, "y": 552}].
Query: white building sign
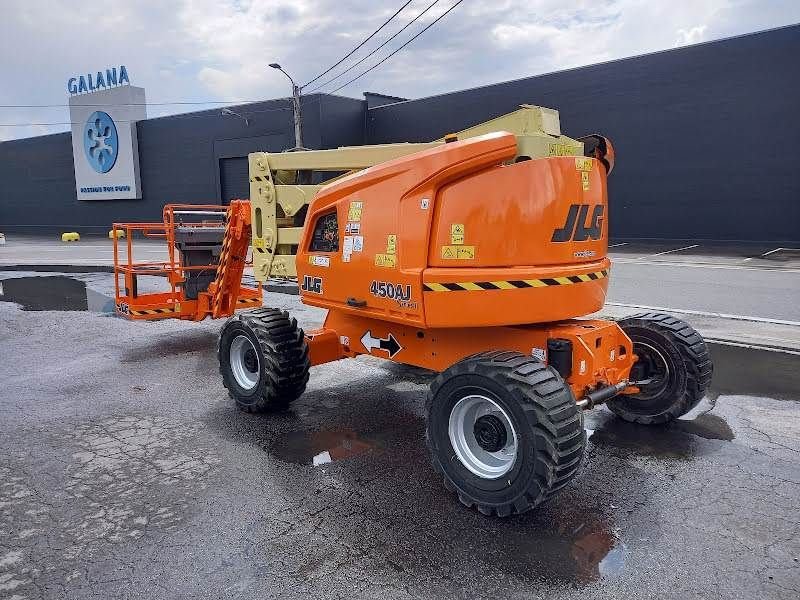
[{"x": 105, "y": 149}]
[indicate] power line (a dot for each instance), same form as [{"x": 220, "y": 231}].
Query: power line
[
  {"x": 186, "y": 103},
  {"x": 348, "y": 55},
  {"x": 354, "y": 65},
  {"x": 431, "y": 24},
  {"x": 178, "y": 116}
]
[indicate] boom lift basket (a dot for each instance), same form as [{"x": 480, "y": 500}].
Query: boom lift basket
[{"x": 207, "y": 248}]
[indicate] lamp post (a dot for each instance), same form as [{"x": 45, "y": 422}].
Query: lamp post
[
  {"x": 233, "y": 113},
  {"x": 298, "y": 125}
]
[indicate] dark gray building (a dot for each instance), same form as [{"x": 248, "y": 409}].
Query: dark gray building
[{"x": 706, "y": 139}]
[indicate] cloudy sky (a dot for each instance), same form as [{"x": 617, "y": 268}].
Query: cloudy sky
[{"x": 218, "y": 50}]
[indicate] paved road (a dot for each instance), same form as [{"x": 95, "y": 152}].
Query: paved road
[
  {"x": 750, "y": 291},
  {"x": 760, "y": 281},
  {"x": 126, "y": 472}
]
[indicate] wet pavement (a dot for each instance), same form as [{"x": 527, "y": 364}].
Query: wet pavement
[
  {"x": 54, "y": 293},
  {"x": 126, "y": 472}
]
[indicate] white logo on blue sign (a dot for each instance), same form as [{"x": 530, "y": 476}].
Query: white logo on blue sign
[{"x": 100, "y": 141}]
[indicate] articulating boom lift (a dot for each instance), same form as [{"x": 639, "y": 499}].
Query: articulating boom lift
[{"x": 473, "y": 259}]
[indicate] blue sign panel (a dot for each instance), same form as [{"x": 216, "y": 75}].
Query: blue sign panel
[{"x": 100, "y": 141}]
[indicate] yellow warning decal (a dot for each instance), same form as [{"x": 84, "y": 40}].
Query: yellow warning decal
[
  {"x": 561, "y": 150},
  {"x": 583, "y": 164},
  {"x": 386, "y": 260},
  {"x": 154, "y": 311},
  {"x": 457, "y": 233},
  {"x": 354, "y": 214},
  {"x": 391, "y": 244},
  {"x": 258, "y": 243},
  {"x": 585, "y": 180},
  {"x": 458, "y": 252},
  {"x": 514, "y": 284}
]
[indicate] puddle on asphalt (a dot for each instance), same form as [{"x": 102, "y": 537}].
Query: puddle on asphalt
[
  {"x": 319, "y": 447},
  {"x": 54, "y": 293},
  {"x": 706, "y": 425},
  {"x": 763, "y": 373},
  {"x": 582, "y": 554}
]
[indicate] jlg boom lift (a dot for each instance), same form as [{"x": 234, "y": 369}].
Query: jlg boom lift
[{"x": 473, "y": 259}]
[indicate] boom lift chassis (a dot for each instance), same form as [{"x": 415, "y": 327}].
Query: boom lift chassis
[{"x": 418, "y": 277}]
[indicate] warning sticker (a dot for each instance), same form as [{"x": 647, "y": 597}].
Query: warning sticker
[
  {"x": 258, "y": 243},
  {"x": 458, "y": 252},
  {"x": 583, "y": 164},
  {"x": 466, "y": 252},
  {"x": 354, "y": 228},
  {"x": 457, "y": 233},
  {"x": 561, "y": 150},
  {"x": 347, "y": 248},
  {"x": 386, "y": 260},
  {"x": 358, "y": 243},
  {"x": 354, "y": 214},
  {"x": 391, "y": 244},
  {"x": 319, "y": 261},
  {"x": 585, "y": 180}
]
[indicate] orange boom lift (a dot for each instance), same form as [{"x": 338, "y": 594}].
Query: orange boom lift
[{"x": 469, "y": 259}]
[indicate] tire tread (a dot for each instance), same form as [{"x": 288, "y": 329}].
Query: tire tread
[{"x": 550, "y": 408}]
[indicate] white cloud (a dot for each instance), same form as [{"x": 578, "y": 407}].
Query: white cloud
[
  {"x": 694, "y": 35},
  {"x": 219, "y": 49}
]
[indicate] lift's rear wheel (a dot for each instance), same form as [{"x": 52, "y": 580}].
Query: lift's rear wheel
[
  {"x": 504, "y": 431},
  {"x": 263, "y": 359},
  {"x": 674, "y": 363}
]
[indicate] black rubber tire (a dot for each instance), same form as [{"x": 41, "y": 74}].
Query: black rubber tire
[
  {"x": 542, "y": 409},
  {"x": 284, "y": 364},
  {"x": 690, "y": 369}
]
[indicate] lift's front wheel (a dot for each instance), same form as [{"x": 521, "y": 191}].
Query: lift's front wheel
[
  {"x": 673, "y": 365},
  {"x": 263, "y": 359},
  {"x": 504, "y": 431}
]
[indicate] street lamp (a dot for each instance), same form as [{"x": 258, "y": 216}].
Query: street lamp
[
  {"x": 298, "y": 127},
  {"x": 233, "y": 113}
]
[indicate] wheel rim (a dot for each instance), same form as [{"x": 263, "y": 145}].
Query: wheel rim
[
  {"x": 244, "y": 362},
  {"x": 651, "y": 365},
  {"x": 483, "y": 436}
]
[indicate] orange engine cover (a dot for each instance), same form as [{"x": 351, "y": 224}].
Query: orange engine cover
[{"x": 454, "y": 237}]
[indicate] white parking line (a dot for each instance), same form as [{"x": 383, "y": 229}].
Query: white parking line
[
  {"x": 666, "y": 263},
  {"x": 617, "y": 245},
  {"x": 724, "y": 342},
  {"x": 773, "y": 252},
  {"x": 670, "y": 251},
  {"x": 704, "y": 313},
  {"x": 780, "y": 250}
]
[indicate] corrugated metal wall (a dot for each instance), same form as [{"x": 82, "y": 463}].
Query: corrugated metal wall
[
  {"x": 706, "y": 136},
  {"x": 181, "y": 158}
]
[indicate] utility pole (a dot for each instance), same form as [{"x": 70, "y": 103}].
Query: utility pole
[{"x": 298, "y": 117}]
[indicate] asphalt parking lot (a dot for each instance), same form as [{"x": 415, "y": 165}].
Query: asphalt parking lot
[
  {"x": 126, "y": 472},
  {"x": 759, "y": 281}
]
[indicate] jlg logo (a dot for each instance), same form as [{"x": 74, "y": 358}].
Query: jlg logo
[
  {"x": 312, "y": 284},
  {"x": 575, "y": 228}
]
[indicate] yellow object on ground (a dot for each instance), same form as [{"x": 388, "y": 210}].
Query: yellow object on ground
[
  {"x": 70, "y": 236},
  {"x": 119, "y": 233}
]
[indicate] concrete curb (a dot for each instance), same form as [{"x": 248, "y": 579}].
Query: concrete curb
[
  {"x": 732, "y": 330},
  {"x": 59, "y": 268},
  {"x": 760, "y": 334}
]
